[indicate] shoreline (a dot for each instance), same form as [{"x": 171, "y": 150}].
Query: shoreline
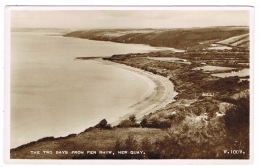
[{"x": 162, "y": 94}]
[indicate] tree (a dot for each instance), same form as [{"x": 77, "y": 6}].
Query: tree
[
  {"x": 132, "y": 118},
  {"x": 102, "y": 124}
]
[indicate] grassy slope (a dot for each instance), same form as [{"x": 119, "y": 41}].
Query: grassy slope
[
  {"x": 176, "y": 38},
  {"x": 92, "y": 140}
]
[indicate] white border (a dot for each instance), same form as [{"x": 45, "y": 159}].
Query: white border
[
  {"x": 119, "y": 8},
  {"x": 7, "y": 89},
  {"x": 252, "y": 38}
]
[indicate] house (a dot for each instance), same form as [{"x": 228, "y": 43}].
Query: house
[{"x": 207, "y": 94}]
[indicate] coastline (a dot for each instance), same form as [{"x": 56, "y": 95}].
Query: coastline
[{"x": 163, "y": 93}]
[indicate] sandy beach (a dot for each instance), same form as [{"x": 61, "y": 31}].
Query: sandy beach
[{"x": 162, "y": 93}]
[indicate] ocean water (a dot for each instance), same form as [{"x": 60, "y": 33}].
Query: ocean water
[{"x": 52, "y": 94}]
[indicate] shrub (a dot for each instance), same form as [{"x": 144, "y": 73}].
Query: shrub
[
  {"x": 103, "y": 125},
  {"x": 144, "y": 122},
  {"x": 127, "y": 123},
  {"x": 130, "y": 122},
  {"x": 155, "y": 123},
  {"x": 237, "y": 118},
  {"x": 132, "y": 118}
]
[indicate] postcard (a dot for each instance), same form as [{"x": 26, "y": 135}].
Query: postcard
[{"x": 139, "y": 83}]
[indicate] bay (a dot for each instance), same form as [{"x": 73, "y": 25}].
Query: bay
[{"x": 52, "y": 94}]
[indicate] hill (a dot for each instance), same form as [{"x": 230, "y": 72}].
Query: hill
[{"x": 185, "y": 38}]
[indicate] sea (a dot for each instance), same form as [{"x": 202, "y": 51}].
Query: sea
[{"x": 54, "y": 94}]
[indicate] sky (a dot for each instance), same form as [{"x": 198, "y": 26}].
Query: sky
[{"x": 89, "y": 19}]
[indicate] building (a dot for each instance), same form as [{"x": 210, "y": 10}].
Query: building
[{"x": 207, "y": 94}]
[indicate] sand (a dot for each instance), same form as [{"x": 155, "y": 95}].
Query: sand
[{"x": 162, "y": 93}]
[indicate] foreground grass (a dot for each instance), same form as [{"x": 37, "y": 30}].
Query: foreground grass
[{"x": 93, "y": 140}]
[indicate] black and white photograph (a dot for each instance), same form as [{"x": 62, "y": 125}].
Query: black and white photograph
[{"x": 113, "y": 83}]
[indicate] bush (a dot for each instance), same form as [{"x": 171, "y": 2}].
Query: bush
[
  {"x": 237, "y": 118},
  {"x": 128, "y": 123},
  {"x": 103, "y": 125},
  {"x": 155, "y": 123},
  {"x": 132, "y": 118}
]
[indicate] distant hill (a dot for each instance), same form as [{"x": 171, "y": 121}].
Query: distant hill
[
  {"x": 236, "y": 41},
  {"x": 182, "y": 38}
]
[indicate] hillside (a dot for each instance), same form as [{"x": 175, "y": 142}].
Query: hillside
[
  {"x": 237, "y": 41},
  {"x": 187, "y": 39},
  {"x": 87, "y": 141}
]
